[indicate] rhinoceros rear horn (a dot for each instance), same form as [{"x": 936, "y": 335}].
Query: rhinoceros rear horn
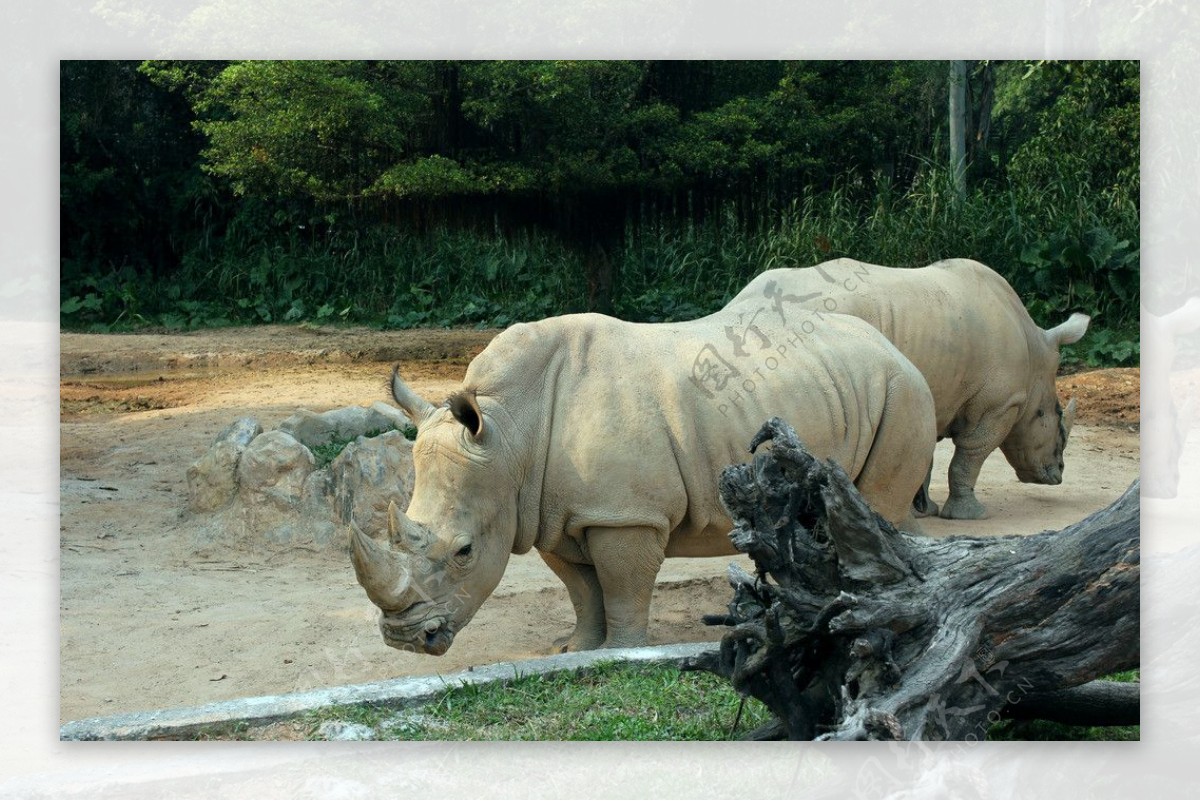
[
  {"x": 412, "y": 404},
  {"x": 1070, "y": 331},
  {"x": 381, "y": 571},
  {"x": 1068, "y": 418},
  {"x": 406, "y": 536}
]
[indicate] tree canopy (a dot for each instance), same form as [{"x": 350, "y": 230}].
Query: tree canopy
[{"x": 177, "y": 171}]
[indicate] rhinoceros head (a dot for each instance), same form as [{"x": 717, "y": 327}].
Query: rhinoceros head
[
  {"x": 445, "y": 555},
  {"x": 1035, "y": 445}
]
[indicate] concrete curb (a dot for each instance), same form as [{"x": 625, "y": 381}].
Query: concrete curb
[{"x": 407, "y": 692}]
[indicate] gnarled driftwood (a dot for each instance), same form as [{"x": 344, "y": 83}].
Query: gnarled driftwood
[{"x": 852, "y": 630}]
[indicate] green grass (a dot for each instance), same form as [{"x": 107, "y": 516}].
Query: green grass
[
  {"x": 1059, "y": 256},
  {"x": 325, "y": 454},
  {"x": 606, "y": 702},
  {"x": 1045, "y": 730},
  {"x": 613, "y": 701},
  {"x": 610, "y": 701}
]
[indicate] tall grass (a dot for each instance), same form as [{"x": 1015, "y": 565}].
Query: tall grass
[
  {"x": 1060, "y": 253},
  {"x": 1062, "y": 248}
]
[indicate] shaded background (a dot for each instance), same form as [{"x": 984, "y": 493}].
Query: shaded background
[{"x": 413, "y": 193}]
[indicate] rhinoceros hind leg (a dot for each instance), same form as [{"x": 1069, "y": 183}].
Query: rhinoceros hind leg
[
  {"x": 923, "y": 505},
  {"x": 627, "y": 562},
  {"x": 910, "y": 525},
  {"x": 588, "y": 599}
]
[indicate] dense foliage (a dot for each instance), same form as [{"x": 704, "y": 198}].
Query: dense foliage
[{"x": 408, "y": 193}]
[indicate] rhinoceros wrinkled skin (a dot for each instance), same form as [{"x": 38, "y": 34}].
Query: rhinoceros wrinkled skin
[
  {"x": 990, "y": 367},
  {"x": 599, "y": 443}
]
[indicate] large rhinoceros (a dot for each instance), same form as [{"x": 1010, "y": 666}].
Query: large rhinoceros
[
  {"x": 599, "y": 443},
  {"x": 990, "y": 367}
]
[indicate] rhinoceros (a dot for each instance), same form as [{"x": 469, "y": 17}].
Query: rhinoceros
[
  {"x": 990, "y": 367},
  {"x": 599, "y": 443}
]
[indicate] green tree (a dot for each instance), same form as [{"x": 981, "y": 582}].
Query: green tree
[
  {"x": 325, "y": 130},
  {"x": 133, "y": 200}
]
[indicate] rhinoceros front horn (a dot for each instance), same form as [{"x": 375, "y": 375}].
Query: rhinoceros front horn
[{"x": 381, "y": 571}]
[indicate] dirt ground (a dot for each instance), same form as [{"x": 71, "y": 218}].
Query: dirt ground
[{"x": 152, "y": 619}]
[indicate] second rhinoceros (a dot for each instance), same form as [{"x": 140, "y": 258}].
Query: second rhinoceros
[
  {"x": 599, "y": 443},
  {"x": 990, "y": 367}
]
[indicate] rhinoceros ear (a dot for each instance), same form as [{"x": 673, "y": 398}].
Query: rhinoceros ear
[
  {"x": 1070, "y": 331},
  {"x": 412, "y": 404},
  {"x": 465, "y": 409}
]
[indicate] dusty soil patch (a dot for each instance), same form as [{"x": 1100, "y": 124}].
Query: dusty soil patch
[
  {"x": 264, "y": 346},
  {"x": 150, "y": 618},
  {"x": 1105, "y": 396}
]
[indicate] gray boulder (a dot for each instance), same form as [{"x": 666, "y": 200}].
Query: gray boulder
[
  {"x": 340, "y": 730},
  {"x": 212, "y": 479},
  {"x": 313, "y": 429},
  {"x": 252, "y": 485},
  {"x": 368, "y": 475},
  {"x": 270, "y": 478}
]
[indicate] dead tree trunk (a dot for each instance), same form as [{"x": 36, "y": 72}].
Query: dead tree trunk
[{"x": 852, "y": 630}]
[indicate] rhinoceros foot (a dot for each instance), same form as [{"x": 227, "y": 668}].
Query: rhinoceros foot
[
  {"x": 963, "y": 507},
  {"x": 924, "y": 506},
  {"x": 579, "y": 641}
]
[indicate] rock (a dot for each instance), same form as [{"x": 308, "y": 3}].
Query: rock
[
  {"x": 265, "y": 486},
  {"x": 241, "y": 431},
  {"x": 212, "y": 479},
  {"x": 340, "y": 730},
  {"x": 314, "y": 429},
  {"x": 399, "y": 420},
  {"x": 368, "y": 475},
  {"x": 411, "y": 723},
  {"x": 270, "y": 476},
  {"x": 316, "y": 505}
]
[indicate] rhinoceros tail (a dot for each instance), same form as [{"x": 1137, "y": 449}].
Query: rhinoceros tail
[{"x": 902, "y": 451}]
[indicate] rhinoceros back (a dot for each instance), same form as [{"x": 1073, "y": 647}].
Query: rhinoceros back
[
  {"x": 958, "y": 321},
  {"x": 639, "y": 419}
]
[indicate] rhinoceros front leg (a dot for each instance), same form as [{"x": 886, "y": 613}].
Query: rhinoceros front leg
[
  {"x": 970, "y": 451},
  {"x": 583, "y": 587},
  {"x": 964, "y": 471},
  {"x": 627, "y": 562}
]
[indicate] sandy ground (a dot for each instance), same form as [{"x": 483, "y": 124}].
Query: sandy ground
[{"x": 151, "y": 619}]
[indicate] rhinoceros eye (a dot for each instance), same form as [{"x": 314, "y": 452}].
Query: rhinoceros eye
[{"x": 464, "y": 551}]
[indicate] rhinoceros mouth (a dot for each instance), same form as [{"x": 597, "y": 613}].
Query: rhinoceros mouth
[
  {"x": 1047, "y": 475},
  {"x": 431, "y": 635}
]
